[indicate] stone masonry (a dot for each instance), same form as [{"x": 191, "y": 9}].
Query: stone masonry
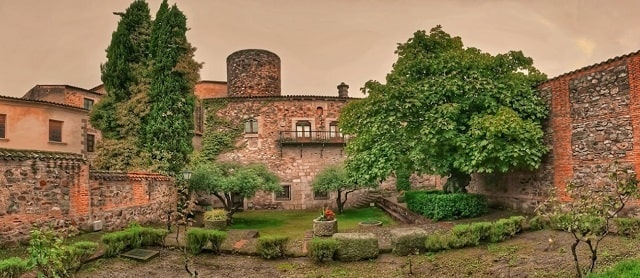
[{"x": 594, "y": 120}]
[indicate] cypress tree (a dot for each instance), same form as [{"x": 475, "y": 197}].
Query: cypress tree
[
  {"x": 168, "y": 127},
  {"x": 125, "y": 73}
]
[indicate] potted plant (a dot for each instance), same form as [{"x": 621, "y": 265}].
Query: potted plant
[
  {"x": 326, "y": 224},
  {"x": 215, "y": 219}
]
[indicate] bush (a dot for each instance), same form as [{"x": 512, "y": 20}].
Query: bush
[
  {"x": 624, "y": 269},
  {"x": 438, "y": 205},
  {"x": 473, "y": 234},
  {"x": 581, "y": 224},
  {"x": 78, "y": 252},
  {"x": 321, "y": 249},
  {"x": 13, "y": 267},
  {"x": 629, "y": 227},
  {"x": 215, "y": 215},
  {"x": 133, "y": 237},
  {"x": 197, "y": 239},
  {"x": 538, "y": 223},
  {"x": 272, "y": 247},
  {"x": 506, "y": 228},
  {"x": 438, "y": 242}
]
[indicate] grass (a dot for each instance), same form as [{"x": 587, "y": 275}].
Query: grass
[
  {"x": 294, "y": 223},
  {"x": 627, "y": 268}
]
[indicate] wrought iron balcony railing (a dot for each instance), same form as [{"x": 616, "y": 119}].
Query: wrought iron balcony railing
[{"x": 312, "y": 137}]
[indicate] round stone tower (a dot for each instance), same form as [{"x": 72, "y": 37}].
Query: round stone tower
[{"x": 253, "y": 72}]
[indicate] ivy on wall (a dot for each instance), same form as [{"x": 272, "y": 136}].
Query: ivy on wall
[{"x": 220, "y": 133}]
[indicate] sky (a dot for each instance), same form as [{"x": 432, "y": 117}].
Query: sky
[{"x": 320, "y": 43}]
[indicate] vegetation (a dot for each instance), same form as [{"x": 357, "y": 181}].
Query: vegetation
[
  {"x": 321, "y": 249},
  {"x": 294, "y": 223},
  {"x": 625, "y": 269},
  {"x": 437, "y": 205},
  {"x": 225, "y": 180},
  {"x": 272, "y": 247},
  {"x": 168, "y": 128},
  {"x": 13, "y": 267},
  {"x": 146, "y": 116},
  {"x": 629, "y": 227},
  {"x": 465, "y": 235},
  {"x": 448, "y": 110},
  {"x": 335, "y": 178},
  {"x": 52, "y": 258},
  {"x": 587, "y": 213},
  {"x": 198, "y": 238},
  {"x": 133, "y": 237}
]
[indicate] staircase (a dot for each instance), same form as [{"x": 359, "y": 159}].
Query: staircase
[{"x": 365, "y": 200}]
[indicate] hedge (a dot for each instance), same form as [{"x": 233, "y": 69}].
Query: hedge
[
  {"x": 438, "y": 205},
  {"x": 198, "y": 238},
  {"x": 133, "y": 237}
]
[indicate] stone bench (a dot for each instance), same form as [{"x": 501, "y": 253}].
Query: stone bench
[{"x": 356, "y": 246}]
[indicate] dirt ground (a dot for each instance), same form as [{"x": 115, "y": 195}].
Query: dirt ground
[{"x": 531, "y": 254}]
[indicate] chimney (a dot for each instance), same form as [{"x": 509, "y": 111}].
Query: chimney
[{"x": 343, "y": 90}]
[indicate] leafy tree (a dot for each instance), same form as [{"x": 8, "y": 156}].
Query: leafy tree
[
  {"x": 587, "y": 211},
  {"x": 335, "y": 178},
  {"x": 225, "y": 180},
  {"x": 168, "y": 127},
  {"x": 449, "y": 110}
]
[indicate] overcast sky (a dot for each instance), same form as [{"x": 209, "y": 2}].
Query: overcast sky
[{"x": 320, "y": 43}]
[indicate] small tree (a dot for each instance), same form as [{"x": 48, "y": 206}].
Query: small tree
[
  {"x": 225, "y": 180},
  {"x": 586, "y": 211},
  {"x": 335, "y": 178}
]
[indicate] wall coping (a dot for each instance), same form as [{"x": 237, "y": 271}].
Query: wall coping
[
  {"x": 21, "y": 155},
  {"x": 121, "y": 176}
]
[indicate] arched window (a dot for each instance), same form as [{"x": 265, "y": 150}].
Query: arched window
[
  {"x": 303, "y": 129},
  {"x": 334, "y": 131},
  {"x": 319, "y": 111},
  {"x": 251, "y": 126}
]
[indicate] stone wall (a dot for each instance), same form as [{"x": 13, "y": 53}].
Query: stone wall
[
  {"x": 58, "y": 190},
  {"x": 594, "y": 120},
  {"x": 253, "y": 72},
  {"x": 295, "y": 164}
]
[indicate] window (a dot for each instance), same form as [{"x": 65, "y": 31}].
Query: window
[
  {"x": 3, "y": 126},
  {"x": 91, "y": 142},
  {"x": 55, "y": 131},
  {"x": 88, "y": 103},
  {"x": 334, "y": 131},
  {"x": 285, "y": 195},
  {"x": 251, "y": 126},
  {"x": 303, "y": 129},
  {"x": 320, "y": 195}
]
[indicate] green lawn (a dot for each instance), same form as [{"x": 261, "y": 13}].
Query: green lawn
[{"x": 294, "y": 223}]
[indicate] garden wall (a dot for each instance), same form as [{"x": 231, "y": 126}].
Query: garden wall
[
  {"x": 594, "y": 120},
  {"x": 57, "y": 189}
]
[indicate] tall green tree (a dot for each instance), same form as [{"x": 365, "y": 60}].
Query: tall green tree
[
  {"x": 125, "y": 73},
  {"x": 168, "y": 127},
  {"x": 450, "y": 110}
]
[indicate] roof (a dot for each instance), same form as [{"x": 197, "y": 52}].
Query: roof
[
  {"x": 43, "y": 102},
  {"x": 21, "y": 155},
  {"x": 67, "y": 86},
  {"x": 119, "y": 176},
  {"x": 96, "y": 88},
  {"x": 288, "y": 97},
  {"x": 611, "y": 60}
]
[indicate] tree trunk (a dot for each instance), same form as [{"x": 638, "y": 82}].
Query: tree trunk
[
  {"x": 575, "y": 258},
  {"x": 339, "y": 201},
  {"x": 457, "y": 182}
]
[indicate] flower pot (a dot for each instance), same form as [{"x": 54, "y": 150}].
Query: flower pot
[
  {"x": 325, "y": 228},
  {"x": 215, "y": 224}
]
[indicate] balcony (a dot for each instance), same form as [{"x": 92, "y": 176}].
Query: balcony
[{"x": 311, "y": 138}]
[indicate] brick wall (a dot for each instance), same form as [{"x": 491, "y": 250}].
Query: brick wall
[
  {"x": 594, "y": 120},
  {"x": 58, "y": 190}
]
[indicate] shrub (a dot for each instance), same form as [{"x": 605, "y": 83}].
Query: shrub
[
  {"x": 13, "y": 267},
  {"x": 133, "y": 237},
  {"x": 438, "y": 205},
  {"x": 78, "y": 252},
  {"x": 629, "y": 227},
  {"x": 215, "y": 215},
  {"x": 506, "y": 228},
  {"x": 438, "y": 241},
  {"x": 538, "y": 223},
  {"x": 197, "y": 239},
  {"x": 322, "y": 248},
  {"x": 272, "y": 247}
]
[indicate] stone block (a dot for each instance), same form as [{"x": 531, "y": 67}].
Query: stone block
[
  {"x": 405, "y": 241},
  {"x": 356, "y": 246}
]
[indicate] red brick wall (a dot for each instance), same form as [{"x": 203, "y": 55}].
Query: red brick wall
[{"x": 211, "y": 89}]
